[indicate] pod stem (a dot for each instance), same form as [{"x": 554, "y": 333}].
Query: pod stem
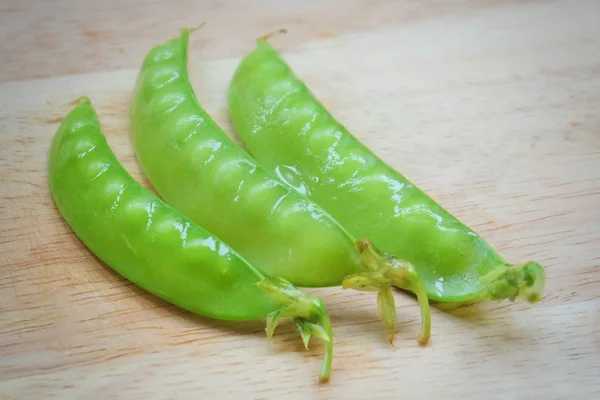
[
  {"x": 273, "y": 33},
  {"x": 308, "y": 312},
  {"x": 382, "y": 272},
  {"x": 511, "y": 281}
]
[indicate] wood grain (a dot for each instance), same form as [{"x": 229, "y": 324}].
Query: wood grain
[{"x": 490, "y": 106}]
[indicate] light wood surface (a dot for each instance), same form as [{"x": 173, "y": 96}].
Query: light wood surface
[{"x": 493, "y": 107}]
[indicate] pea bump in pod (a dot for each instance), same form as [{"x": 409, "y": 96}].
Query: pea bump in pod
[
  {"x": 286, "y": 129},
  {"x": 198, "y": 169},
  {"x": 158, "y": 248}
]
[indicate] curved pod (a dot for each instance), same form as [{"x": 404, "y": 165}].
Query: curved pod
[
  {"x": 287, "y": 129},
  {"x": 155, "y": 246},
  {"x": 199, "y": 170}
]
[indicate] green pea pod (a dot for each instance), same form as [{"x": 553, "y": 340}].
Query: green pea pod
[
  {"x": 159, "y": 249},
  {"x": 290, "y": 132},
  {"x": 199, "y": 170}
]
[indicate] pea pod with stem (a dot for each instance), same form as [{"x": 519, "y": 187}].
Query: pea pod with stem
[
  {"x": 199, "y": 170},
  {"x": 289, "y": 131},
  {"x": 155, "y": 246}
]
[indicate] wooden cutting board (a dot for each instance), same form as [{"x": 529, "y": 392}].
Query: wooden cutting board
[{"x": 492, "y": 107}]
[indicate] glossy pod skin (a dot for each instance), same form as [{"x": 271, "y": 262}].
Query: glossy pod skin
[
  {"x": 156, "y": 247},
  {"x": 199, "y": 170},
  {"x": 286, "y": 129}
]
